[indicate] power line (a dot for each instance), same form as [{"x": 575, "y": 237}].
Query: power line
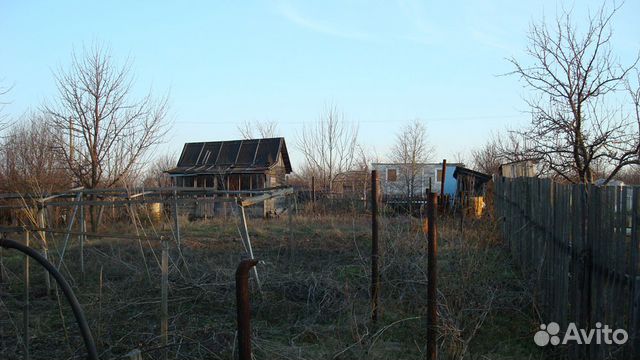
[{"x": 436, "y": 119}]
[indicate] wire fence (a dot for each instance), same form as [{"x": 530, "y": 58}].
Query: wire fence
[{"x": 117, "y": 266}]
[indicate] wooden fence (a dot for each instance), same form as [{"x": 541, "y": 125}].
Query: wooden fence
[{"x": 580, "y": 244}]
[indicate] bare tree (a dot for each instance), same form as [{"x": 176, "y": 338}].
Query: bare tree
[
  {"x": 102, "y": 134},
  {"x": 410, "y": 150},
  {"x": 156, "y": 175},
  {"x": 264, "y": 129},
  {"x": 487, "y": 159},
  {"x": 329, "y": 146},
  {"x": 499, "y": 149},
  {"x": 630, "y": 175},
  {"x": 27, "y": 164},
  {"x": 3, "y": 91},
  {"x": 574, "y": 76},
  {"x": 365, "y": 156}
]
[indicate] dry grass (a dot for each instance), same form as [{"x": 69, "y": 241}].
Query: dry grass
[{"x": 313, "y": 307}]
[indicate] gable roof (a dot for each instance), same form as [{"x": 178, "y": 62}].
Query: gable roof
[{"x": 232, "y": 156}]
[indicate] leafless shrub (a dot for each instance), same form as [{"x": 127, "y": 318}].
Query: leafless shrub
[{"x": 27, "y": 162}]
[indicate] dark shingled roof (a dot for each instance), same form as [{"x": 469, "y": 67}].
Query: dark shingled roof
[
  {"x": 468, "y": 172},
  {"x": 234, "y": 156}
]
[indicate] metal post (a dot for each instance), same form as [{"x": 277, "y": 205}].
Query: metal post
[
  {"x": 432, "y": 273},
  {"x": 244, "y": 308},
  {"x": 442, "y": 181},
  {"x": 164, "y": 325},
  {"x": 25, "y": 318},
  {"x": 375, "y": 277}
]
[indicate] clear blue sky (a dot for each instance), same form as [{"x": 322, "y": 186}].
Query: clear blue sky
[{"x": 381, "y": 62}]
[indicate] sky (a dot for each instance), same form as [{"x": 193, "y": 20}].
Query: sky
[{"x": 382, "y": 63}]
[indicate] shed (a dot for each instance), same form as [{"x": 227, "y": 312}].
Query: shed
[
  {"x": 471, "y": 190},
  {"x": 251, "y": 164},
  {"x": 470, "y": 182},
  {"x": 521, "y": 168}
]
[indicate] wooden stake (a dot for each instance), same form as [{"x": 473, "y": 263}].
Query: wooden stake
[
  {"x": 176, "y": 223},
  {"x": 25, "y": 317},
  {"x": 81, "y": 237},
  {"x": 164, "y": 326},
  {"x": 290, "y": 218},
  {"x": 375, "y": 277},
  {"x": 45, "y": 247}
]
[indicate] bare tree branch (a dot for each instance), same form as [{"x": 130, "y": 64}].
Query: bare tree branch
[
  {"x": 264, "y": 129},
  {"x": 575, "y": 129},
  {"x": 411, "y": 149},
  {"x": 102, "y": 134},
  {"x": 328, "y": 146}
]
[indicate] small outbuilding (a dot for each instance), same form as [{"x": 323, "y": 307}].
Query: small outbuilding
[
  {"x": 252, "y": 164},
  {"x": 471, "y": 189},
  {"x": 233, "y": 165},
  {"x": 470, "y": 182},
  {"x": 522, "y": 168}
]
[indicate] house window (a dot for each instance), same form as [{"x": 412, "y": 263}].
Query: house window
[
  {"x": 439, "y": 175},
  {"x": 392, "y": 175}
]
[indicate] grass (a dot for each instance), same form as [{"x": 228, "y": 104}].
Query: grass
[{"x": 314, "y": 305}]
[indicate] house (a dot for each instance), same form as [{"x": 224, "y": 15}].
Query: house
[
  {"x": 234, "y": 165},
  {"x": 393, "y": 180},
  {"x": 352, "y": 184},
  {"x": 522, "y": 168}
]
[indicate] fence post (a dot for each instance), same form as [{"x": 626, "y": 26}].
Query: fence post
[
  {"x": 25, "y": 319},
  {"x": 43, "y": 238},
  {"x": 176, "y": 222},
  {"x": 290, "y": 223},
  {"x": 375, "y": 276},
  {"x": 164, "y": 326},
  {"x": 432, "y": 273},
  {"x": 588, "y": 231},
  {"x": 444, "y": 176},
  {"x": 83, "y": 229},
  {"x": 243, "y": 308},
  {"x": 635, "y": 283}
]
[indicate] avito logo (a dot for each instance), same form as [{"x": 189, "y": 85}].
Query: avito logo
[{"x": 549, "y": 334}]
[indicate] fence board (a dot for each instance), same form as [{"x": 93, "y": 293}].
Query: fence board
[{"x": 580, "y": 244}]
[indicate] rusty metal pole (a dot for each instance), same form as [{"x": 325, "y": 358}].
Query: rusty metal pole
[
  {"x": 442, "y": 181},
  {"x": 375, "y": 276},
  {"x": 244, "y": 308},
  {"x": 432, "y": 273}
]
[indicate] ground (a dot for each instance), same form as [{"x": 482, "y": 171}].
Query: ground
[{"x": 314, "y": 302}]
